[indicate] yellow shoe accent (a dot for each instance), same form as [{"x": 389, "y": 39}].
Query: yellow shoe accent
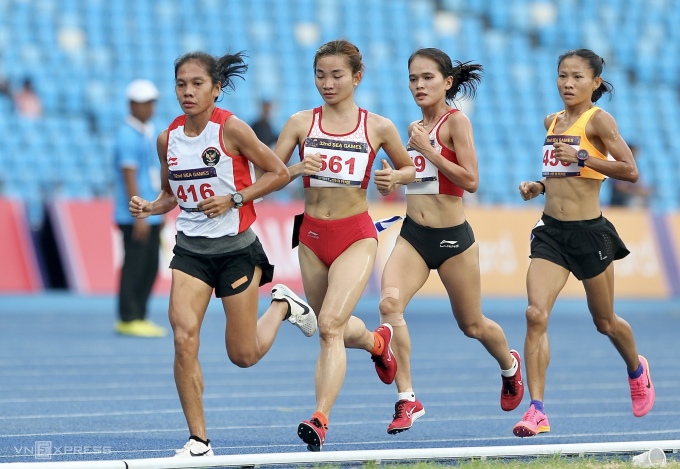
[{"x": 140, "y": 328}]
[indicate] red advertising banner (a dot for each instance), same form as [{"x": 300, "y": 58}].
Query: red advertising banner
[
  {"x": 92, "y": 249},
  {"x": 19, "y": 272}
]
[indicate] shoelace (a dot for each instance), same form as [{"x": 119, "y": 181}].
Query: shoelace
[
  {"x": 509, "y": 385},
  {"x": 399, "y": 409},
  {"x": 637, "y": 389},
  {"x": 377, "y": 359},
  {"x": 317, "y": 423},
  {"x": 530, "y": 415}
]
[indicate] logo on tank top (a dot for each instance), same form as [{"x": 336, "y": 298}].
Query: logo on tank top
[{"x": 210, "y": 156}]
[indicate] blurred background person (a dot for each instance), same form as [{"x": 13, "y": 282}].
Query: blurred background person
[
  {"x": 628, "y": 194},
  {"x": 263, "y": 127},
  {"x": 27, "y": 102},
  {"x": 137, "y": 173}
]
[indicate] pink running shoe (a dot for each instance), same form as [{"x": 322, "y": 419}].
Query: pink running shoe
[
  {"x": 533, "y": 423},
  {"x": 312, "y": 432},
  {"x": 642, "y": 390},
  {"x": 385, "y": 363},
  {"x": 512, "y": 391},
  {"x": 405, "y": 413}
]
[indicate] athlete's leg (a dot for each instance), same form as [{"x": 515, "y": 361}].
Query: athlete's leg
[
  {"x": 600, "y": 294},
  {"x": 189, "y": 299},
  {"x": 248, "y": 338},
  {"x": 461, "y": 278},
  {"x": 545, "y": 280},
  {"x": 346, "y": 281},
  {"x": 403, "y": 275}
]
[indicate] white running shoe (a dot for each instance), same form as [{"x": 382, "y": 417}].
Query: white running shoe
[
  {"x": 194, "y": 448},
  {"x": 299, "y": 312}
]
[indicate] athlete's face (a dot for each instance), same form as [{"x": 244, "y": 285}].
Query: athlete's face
[
  {"x": 194, "y": 88},
  {"x": 426, "y": 82},
  {"x": 575, "y": 81},
  {"x": 334, "y": 78}
]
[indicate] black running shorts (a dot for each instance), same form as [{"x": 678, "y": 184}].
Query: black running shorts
[
  {"x": 228, "y": 274},
  {"x": 585, "y": 248},
  {"x": 436, "y": 245}
]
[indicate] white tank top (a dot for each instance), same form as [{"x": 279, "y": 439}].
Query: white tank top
[
  {"x": 198, "y": 168},
  {"x": 346, "y": 159}
]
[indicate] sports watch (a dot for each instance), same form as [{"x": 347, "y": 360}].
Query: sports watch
[
  {"x": 582, "y": 156},
  {"x": 237, "y": 199}
]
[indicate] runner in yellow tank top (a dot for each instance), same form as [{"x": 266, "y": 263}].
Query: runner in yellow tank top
[{"x": 572, "y": 236}]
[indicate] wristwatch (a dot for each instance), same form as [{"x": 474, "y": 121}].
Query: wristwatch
[
  {"x": 582, "y": 156},
  {"x": 237, "y": 199}
]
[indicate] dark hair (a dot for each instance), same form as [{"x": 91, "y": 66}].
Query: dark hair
[
  {"x": 220, "y": 69},
  {"x": 596, "y": 64},
  {"x": 341, "y": 47},
  {"x": 466, "y": 75}
]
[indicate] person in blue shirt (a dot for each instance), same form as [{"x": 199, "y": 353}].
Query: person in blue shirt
[{"x": 137, "y": 172}]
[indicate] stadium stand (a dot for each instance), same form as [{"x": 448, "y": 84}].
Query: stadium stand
[{"x": 81, "y": 53}]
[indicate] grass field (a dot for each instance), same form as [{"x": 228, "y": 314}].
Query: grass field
[{"x": 552, "y": 462}]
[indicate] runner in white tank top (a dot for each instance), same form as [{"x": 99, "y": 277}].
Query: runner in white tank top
[{"x": 207, "y": 157}]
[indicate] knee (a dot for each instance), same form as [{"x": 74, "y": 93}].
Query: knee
[
  {"x": 330, "y": 329},
  {"x": 604, "y": 326},
  {"x": 186, "y": 340},
  {"x": 472, "y": 330},
  {"x": 391, "y": 310},
  {"x": 243, "y": 358},
  {"x": 537, "y": 318}
]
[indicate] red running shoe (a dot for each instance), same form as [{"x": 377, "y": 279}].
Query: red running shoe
[
  {"x": 312, "y": 432},
  {"x": 405, "y": 414},
  {"x": 385, "y": 363},
  {"x": 512, "y": 391}
]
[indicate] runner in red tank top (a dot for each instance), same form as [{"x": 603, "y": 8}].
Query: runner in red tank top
[
  {"x": 435, "y": 233},
  {"x": 338, "y": 240}
]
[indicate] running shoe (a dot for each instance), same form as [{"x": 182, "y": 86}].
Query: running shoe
[
  {"x": 405, "y": 414},
  {"x": 194, "y": 447},
  {"x": 533, "y": 423},
  {"x": 385, "y": 363},
  {"x": 299, "y": 312},
  {"x": 512, "y": 391},
  {"x": 642, "y": 390},
  {"x": 312, "y": 432},
  {"x": 140, "y": 328}
]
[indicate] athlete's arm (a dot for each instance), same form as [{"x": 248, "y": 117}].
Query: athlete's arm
[
  {"x": 456, "y": 133},
  {"x": 604, "y": 127},
  {"x": 141, "y": 208},
  {"x": 386, "y": 179},
  {"x": 289, "y": 138}
]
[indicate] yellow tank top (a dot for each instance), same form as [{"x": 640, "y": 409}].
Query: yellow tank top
[{"x": 576, "y": 137}]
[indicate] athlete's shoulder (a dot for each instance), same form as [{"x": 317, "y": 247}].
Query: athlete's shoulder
[
  {"x": 549, "y": 119},
  {"x": 602, "y": 120}
]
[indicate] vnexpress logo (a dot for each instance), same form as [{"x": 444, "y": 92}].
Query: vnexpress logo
[{"x": 46, "y": 450}]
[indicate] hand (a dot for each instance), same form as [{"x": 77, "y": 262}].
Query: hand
[
  {"x": 420, "y": 140},
  {"x": 565, "y": 153},
  {"x": 311, "y": 164},
  {"x": 385, "y": 178},
  {"x": 215, "y": 206},
  {"x": 140, "y": 208},
  {"x": 530, "y": 189}
]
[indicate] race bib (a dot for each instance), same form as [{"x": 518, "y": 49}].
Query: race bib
[
  {"x": 342, "y": 163},
  {"x": 191, "y": 186},
  {"x": 551, "y": 166}
]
